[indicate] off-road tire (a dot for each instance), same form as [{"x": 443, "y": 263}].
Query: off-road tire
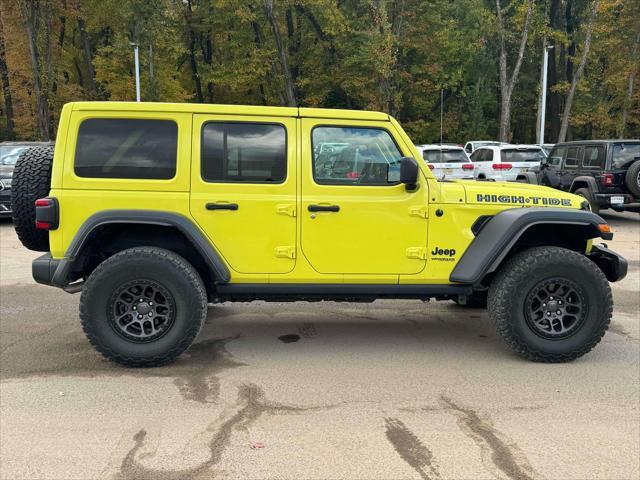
[
  {"x": 158, "y": 265},
  {"x": 475, "y": 300},
  {"x": 31, "y": 180},
  {"x": 632, "y": 178},
  {"x": 588, "y": 196},
  {"x": 521, "y": 274}
]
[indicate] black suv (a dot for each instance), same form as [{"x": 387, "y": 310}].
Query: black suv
[{"x": 605, "y": 172}]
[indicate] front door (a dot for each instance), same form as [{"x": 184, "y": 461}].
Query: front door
[
  {"x": 243, "y": 189},
  {"x": 356, "y": 217}
]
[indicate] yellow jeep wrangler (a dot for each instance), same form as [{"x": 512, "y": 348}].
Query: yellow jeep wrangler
[{"x": 155, "y": 210}]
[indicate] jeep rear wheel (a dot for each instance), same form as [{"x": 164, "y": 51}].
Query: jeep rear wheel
[
  {"x": 588, "y": 196},
  {"x": 143, "y": 307},
  {"x": 31, "y": 180},
  {"x": 550, "y": 304}
]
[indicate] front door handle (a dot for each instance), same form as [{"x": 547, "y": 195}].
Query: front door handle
[
  {"x": 222, "y": 206},
  {"x": 324, "y": 208}
]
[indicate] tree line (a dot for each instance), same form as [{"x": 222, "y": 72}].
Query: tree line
[{"x": 482, "y": 57}]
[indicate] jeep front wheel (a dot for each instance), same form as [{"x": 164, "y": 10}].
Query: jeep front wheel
[
  {"x": 550, "y": 304},
  {"x": 143, "y": 307}
]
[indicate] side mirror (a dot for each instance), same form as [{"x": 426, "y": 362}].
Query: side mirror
[
  {"x": 409, "y": 172},
  {"x": 544, "y": 162}
]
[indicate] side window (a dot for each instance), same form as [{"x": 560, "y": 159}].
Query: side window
[
  {"x": 572, "y": 159},
  {"x": 126, "y": 148},
  {"x": 244, "y": 152},
  {"x": 354, "y": 156},
  {"x": 468, "y": 148},
  {"x": 593, "y": 157},
  {"x": 556, "y": 156},
  {"x": 478, "y": 155}
]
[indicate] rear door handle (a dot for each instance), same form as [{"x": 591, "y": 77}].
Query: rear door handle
[
  {"x": 222, "y": 206},
  {"x": 324, "y": 208}
]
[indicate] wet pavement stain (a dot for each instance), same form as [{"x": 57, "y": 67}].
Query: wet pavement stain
[
  {"x": 252, "y": 405},
  {"x": 618, "y": 329},
  {"x": 208, "y": 359},
  {"x": 308, "y": 330},
  {"x": 289, "y": 338},
  {"x": 411, "y": 449},
  {"x": 500, "y": 455}
]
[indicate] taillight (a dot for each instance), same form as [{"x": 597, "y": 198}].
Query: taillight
[
  {"x": 502, "y": 166},
  {"x": 430, "y": 166},
  {"x": 607, "y": 179},
  {"x": 467, "y": 166},
  {"x": 46, "y": 213}
]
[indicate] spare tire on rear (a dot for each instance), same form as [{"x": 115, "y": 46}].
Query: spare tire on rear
[
  {"x": 31, "y": 180},
  {"x": 632, "y": 178}
]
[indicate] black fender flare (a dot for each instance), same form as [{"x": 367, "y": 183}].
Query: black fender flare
[
  {"x": 498, "y": 235},
  {"x": 149, "y": 217},
  {"x": 590, "y": 181}
]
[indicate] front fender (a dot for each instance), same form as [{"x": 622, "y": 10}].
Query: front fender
[{"x": 498, "y": 235}]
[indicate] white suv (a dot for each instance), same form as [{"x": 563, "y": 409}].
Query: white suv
[
  {"x": 505, "y": 162},
  {"x": 447, "y": 161}
]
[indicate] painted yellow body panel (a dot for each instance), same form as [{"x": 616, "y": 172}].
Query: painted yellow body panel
[{"x": 382, "y": 234}]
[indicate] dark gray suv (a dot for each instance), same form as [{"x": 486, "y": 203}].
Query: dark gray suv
[{"x": 605, "y": 172}]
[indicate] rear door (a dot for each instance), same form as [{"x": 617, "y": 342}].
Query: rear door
[
  {"x": 572, "y": 165},
  {"x": 243, "y": 189}
]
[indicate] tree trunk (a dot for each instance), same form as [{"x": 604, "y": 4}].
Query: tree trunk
[
  {"x": 629, "y": 96},
  {"x": 507, "y": 84},
  {"x": 30, "y": 15},
  {"x": 564, "y": 126},
  {"x": 6, "y": 91},
  {"x": 192, "y": 55},
  {"x": 88, "y": 58},
  {"x": 540, "y": 113},
  {"x": 289, "y": 88}
]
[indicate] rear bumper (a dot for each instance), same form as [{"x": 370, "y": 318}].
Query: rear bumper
[
  {"x": 5, "y": 205},
  {"x": 614, "y": 266},
  {"x": 51, "y": 271},
  {"x": 630, "y": 204}
]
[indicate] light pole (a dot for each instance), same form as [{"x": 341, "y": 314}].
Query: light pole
[
  {"x": 543, "y": 96},
  {"x": 137, "y": 61}
]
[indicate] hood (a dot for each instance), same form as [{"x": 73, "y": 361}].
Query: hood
[
  {"x": 6, "y": 171},
  {"x": 518, "y": 194}
]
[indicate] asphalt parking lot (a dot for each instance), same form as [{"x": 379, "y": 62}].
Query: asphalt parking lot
[{"x": 393, "y": 389}]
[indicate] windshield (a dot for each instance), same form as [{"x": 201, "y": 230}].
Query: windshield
[
  {"x": 624, "y": 153},
  {"x": 522, "y": 155},
  {"x": 445, "y": 156},
  {"x": 9, "y": 155}
]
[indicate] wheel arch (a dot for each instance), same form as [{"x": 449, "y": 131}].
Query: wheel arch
[
  {"x": 584, "y": 182},
  {"x": 108, "y": 232},
  {"x": 514, "y": 230}
]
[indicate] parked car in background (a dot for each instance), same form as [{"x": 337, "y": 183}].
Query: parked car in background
[
  {"x": 472, "y": 146},
  {"x": 505, "y": 162},
  {"x": 605, "y": 172},
  {"x": 9, "y": 153},
  {"x": 547, "y": 147},
  {"x": 447, "y": 161}
]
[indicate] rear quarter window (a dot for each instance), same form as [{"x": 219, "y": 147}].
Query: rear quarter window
[
  {"x": 625, "y": 154},
  {"x": 126, "y": 148}
]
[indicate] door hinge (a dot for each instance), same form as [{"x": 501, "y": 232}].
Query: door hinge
[
  {"x": 419, "y": 211},
  {"x": 418, "y": 253},
  {"x": 286, "y": 252},
  {"x": 286, "y": 209}
]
